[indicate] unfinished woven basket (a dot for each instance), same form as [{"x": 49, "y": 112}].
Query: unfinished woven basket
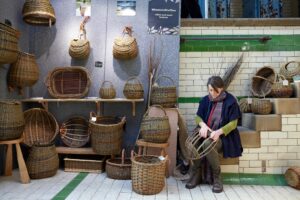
[
  {"x": 118, "y": 168},
  {"x": 11, "y": 120},
  {"x": 40, "y": 127},
  {"x": 279, "y": 90},
  {"x": 261, "y": 106},
  {"x": 38, "y": 12},
  {"x": 133, "y": 88},
  {"x": 107, "y": 90},
  {"x": 74, "y": 132},
  {"x": 288, "y": 73},
  {"x": 68, "y": 82},
  {"x": 125, "y": 47}
]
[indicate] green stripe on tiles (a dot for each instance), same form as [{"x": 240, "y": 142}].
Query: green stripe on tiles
[
  {"x": 277, "y": 43},
  {"x": 197, "y": 99},
  {"x": 66, "y": 191}
]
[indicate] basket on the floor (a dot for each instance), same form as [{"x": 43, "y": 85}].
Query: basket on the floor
[
  {"x": 11, "y": 120},
  {"x": 42, "y": 161},
  {"x": 292, "y": 177},
  {"x": 155, "y": 129},
  {"x": 38, "y": 12},
  {"x": 40, "y": 127},
  {"x": 107, "y": 90},
  {"x": 280, "y": 90},
  {"x": 164, "y": 95},
  {"x": 261, "y": 106},
  {"x": 68, "y": 82},
  {"x": 118, "y": 168},
  {"x": 24, "y": 72},
  {"x": 148, "y": 174},
  {"x": 288, "y": 73},
  {"x": 74, "y": 132},
  {"x": 133, "y": 88},
  {"x": 9, "y": 48},
  {"x": 84, "y": 163},
  {"x": 106, "y": 134},
  {"x": 245, "y": 107}
]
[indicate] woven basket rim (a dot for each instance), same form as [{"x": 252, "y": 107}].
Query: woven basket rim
[
  {"x": 122, "y": 121},
  {"x": 10, "y": 102},
  {"x": 147, "y": 164},
  {"x": 112, "y": 163},
  {"x": 9, "y": 33}
]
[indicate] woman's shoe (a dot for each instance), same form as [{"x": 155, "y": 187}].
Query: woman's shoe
[
  {"x": 217, "y": 185},
  {"x": 194, "y": 180}
]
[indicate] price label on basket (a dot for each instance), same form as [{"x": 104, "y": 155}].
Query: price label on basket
[
  {"x": 285, "y": 82},
  {"x": 249, "y": 100},
  {"x": 94, "y": 119}
]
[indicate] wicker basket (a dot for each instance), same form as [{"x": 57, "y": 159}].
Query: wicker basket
[
  {"x": 289, "y": 74},
  {"x": 261, "y": 106},
  {"x": 261, "y": 86},
  {"x": 74, "y": 132},
  {"x": 245, "y": 107},
  {"x": 133, "y": 88},
  {"x": 164, "y": 95},
  {"x": 68, "y": 82},
  {"x": 84, "y": 163},
  {"x": 280, "y": 90},
  {"x": 107, "y": 90},
  {"x": 119, "y": 168},
  {"x": 42, "y": 161},
  {"x": 24, "y": 72},
  {"x": 292, "y": 177},
  {"x": 125, "y": 47},
  {"x": 155, "y": 129},
  {"x": 9, "y": 48},
  {"x": 38, "y": 12},
  {"x": 79, "y": 48},
  {"x": 11, "y": 120},
  {"x": 40, "y": 127},
  {"x": 106, "y": 133},
  {"x": 148, "y": 174}
]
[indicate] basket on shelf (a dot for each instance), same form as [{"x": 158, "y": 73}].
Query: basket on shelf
[
  {"x": 42, "y": 161},
  {"x": 119, "y": 168},
  {"x": 148, "y": 174},
  {"x": 125, "y": 47},
  {"x": 164, "y": 95},
  {"x": 40, "y": 127},
  {"x": 261, "y": 106},
  {"x": 106, "y": 134},
  {"x": 68, "y": 82},
  {"x": 281, "y": 90},
  {"x": 133, "y": 88},
  {"x": 155, "y": 129},
  {"x": 9, "y": 47},
  {"x": 74, "y": 132},
  {"x": 289, "y": 74},
  {"x": 107, "y": 90},
  {"x": 262, "y": 81},
  {"x": 38, "y": 12},
  {"x": 245, "y": 107},
  {"x": 11, "y": 120}
]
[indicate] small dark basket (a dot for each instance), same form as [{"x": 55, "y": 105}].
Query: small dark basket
[
  {"x": 133, "y": 89},
  {"x": 279, "y": 90},
  {"x": 119, "y": 168}
]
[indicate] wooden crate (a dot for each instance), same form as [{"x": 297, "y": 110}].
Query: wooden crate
[{"x": 92, "y": 164}]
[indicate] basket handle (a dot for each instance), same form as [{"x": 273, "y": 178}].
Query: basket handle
[
  {"x": 127, "y": 30},
  {"x": 167, "y": 77},
  {"x": 157, "y": 106},
  {"x": 286, "y": 65},
  {"x": 110, "y": 83},
  {"x": 133, "y": 78},
  {"x": 260, "y": 77}
]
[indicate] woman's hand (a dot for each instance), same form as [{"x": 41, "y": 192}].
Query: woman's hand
[
  {"x": 204, "y": 129},
  {"x": 216, "y": 134}
]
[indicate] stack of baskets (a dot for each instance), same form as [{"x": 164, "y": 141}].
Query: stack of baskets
[
  {"x": 118, "y": 168},
  {"x": 289, "y": 74},
  {"x": 107, "y": 90},
  {"x": 262, "y": 82},
  {"x": 133, "y": 89}
]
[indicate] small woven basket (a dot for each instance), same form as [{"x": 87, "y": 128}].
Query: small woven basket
[
  {"x": 261, "y": 106},
  {"x": 155, "y": 129},
  {"x": 279, "y": 90},
  {"x": 245, "y": 107},
  {"x": 133, "y": 89},
  {"x": 107, "y": 90},
  {"x": 289, "y": 74},
  {"x": 148, "y": 174},
  {"x": 164, "y": 95},
  {"x": 118, "y": 168},
  {"x": 79, "y": 49}
]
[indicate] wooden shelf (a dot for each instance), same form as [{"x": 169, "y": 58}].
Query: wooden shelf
[{"x": 77, "y": 151}]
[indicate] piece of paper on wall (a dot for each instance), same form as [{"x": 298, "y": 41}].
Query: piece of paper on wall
[
  {"x": 83, "y": 7},
  {"x": 126, "y": 8}
]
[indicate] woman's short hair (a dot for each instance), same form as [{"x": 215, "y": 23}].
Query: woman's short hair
[{"x": 215, "y": 82}]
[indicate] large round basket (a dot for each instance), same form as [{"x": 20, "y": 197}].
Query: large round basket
[
  {"x": 42, "y": 161},
  {"x": 155, "y": 129},
  {"x": 11, "y": 120},
  {"x": 290, "y": 73},
  {"x": 106, "y": 134},
  {"x": 9, "y": 48},
  {"x": 38, "y": 12},
  {"x": 164, "y": 95},
  {"x": 125, "y": 47},
  {"x": 292, "y": 177},
  {"x": 74, "y": 132},
  {"x": 118, "y": 168},
  {"x": 107, "y": 90},
  {"x": 281, "y": 88},
  {"x": 24, "y": 72},
  {"x": 133, "y": 88},
  {"x": 148, "y": 174},
  {"x": 261, "y": 106},
  {"x": 260, "y": 86},
  {"x": 68, "y": 82},
  {"x": 40, "y": 127},
  {"x": 79, "y": 48}
]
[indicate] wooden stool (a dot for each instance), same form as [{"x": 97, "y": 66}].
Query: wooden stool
[
  {"x": 9, "y": 161},
  {"x": 143, "y": 148}
]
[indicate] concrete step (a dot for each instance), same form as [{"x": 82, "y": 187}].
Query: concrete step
[
  {"x": 249, "y": 138},
  {"x": 271, "y": 122},
  {"x": 229, "y": 161},
  {"x": 286, "y": 105}
]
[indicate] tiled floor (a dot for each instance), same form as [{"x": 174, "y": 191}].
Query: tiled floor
[{"x": 98, "y": 186}]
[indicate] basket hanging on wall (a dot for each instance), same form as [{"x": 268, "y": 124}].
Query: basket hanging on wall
[
  {"x": 24, "y": 72},
  {"x": 38, "y": 12},
  {"x": 125, "y": 47}
]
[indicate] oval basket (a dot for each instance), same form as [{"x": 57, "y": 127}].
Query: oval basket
[
  {"x": 260, "y": 86},
  {"x": 68, "y": 82},
  {"x": 119, "y": 168},
  {"x": 74, "y": 132},
  {"x": 133, "y": 88},
  {"x": 279, "y": 90},
  {"x": 79, "y": 48},
  {"x": 125, "y": 47},
  {"x": 107, "y": 90},
  {"x": 245, "y": 107},
  {"x": 261, "y": 106},
  {"x": 40, "y": 127},
  {"x": 288, "y": 73}
]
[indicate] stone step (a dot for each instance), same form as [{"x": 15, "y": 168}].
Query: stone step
[
  {"x": 286, "y": 105},
  {"x": 249, "y": 138},
  {"x": 271, "y": 122}
]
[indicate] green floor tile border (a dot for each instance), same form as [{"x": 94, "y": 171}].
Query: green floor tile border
[
  {"x": 66, "y": 191},
  {"x": 196, "y": 99},
  {"x": 277, "y": 43},
  {"x": 253, "y": 179}
]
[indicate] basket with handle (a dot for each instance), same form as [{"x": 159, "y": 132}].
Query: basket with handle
[
  {"x": 261, "y": 86},
  {"x": 164, "y": 95},
  {"x": 288, "y": 73},
  {"x": 133, "y": 88},
  {"x": 155, "y": 129},
  {"x": 119, "y": 168},
  {"x": 107, "y": 90},
  {"x": 279, "y": 89}
]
